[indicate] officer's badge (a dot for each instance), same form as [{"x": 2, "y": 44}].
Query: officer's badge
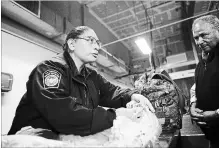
[{"x": 51, "y": 79}]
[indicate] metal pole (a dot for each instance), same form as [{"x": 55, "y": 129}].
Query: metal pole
[
  {"x": 82, "y": 14},
  {"x": 109, "y": 54},
  {"x": 158, "y": 28}
]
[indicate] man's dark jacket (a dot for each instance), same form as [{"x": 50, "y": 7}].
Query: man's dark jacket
[
  {"x": 61, "y": 99},
  {"x": 207, "y": 91}
]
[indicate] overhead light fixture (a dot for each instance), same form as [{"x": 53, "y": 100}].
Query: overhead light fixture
[{"x": 143, "y": 46}]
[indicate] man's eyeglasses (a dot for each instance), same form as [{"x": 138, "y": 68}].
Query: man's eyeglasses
[{"x": 92, "y": 40}]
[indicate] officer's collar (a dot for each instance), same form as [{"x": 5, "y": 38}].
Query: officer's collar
[
  {"x": 84, "y": 71},
  {"x": 70, "y": 62}
]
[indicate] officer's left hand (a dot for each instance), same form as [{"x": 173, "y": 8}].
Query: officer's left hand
[{"x": 138, "y": 98}]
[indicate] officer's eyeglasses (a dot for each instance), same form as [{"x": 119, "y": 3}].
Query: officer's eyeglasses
[{"x": 92, "y": 40}]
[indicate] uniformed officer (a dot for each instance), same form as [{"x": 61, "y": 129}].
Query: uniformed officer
[{"x": 64, "y": 96}]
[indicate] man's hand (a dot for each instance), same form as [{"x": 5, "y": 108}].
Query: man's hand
[
  {"x": 138, "y": 98},
  {"x": 209, "y": 116},
  {"x": 197, "y": 114}
]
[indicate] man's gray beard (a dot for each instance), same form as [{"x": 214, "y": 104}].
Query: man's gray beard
[{"x": 205, "y": 55}]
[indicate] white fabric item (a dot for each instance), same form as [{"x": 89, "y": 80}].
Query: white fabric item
[
  {"x": 27, "y": 141},
  {"x": 137, "y": 131},
  {"x": 125, "y": 132}
]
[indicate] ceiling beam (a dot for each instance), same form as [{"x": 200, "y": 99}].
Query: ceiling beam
[
  {"x": 94, "y": 14},
  {"x": 90, "y": 6},
  {"x": 141, "y": 20},
  {"x": 180, "y": 21},
  {"x": 141, "y": 58},
  {"x": 171, "y": 66},
  {"x": 182, "y": 74},
  {"x": 139, "y": 5},
  {"x": 94, "y": 3},
  {"x": 142, "y": 11}
]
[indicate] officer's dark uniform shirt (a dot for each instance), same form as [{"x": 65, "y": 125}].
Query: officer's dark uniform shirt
[{"x": 61, "y": 99}]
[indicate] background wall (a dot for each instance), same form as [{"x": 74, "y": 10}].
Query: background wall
[{"x": 19, "y": 57}]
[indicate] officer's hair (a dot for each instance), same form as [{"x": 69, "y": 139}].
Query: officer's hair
[
  {"x": 73, "y": 34},
  {"x": 211, "y": 19}
]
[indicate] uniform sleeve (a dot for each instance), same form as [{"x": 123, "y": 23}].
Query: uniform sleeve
[
  {"x": 113, "y": 96},
  {"x": 50, "y": 90}
]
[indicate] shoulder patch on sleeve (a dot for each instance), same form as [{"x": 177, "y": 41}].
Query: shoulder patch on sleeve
[{"x": 51, "y": 79}]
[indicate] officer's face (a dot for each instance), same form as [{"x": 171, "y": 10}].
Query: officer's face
[
  {"x": 87, "y": 46},
  {"x": 206, "y": 37}
]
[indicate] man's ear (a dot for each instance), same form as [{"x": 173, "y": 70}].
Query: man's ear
[
  {"x": 217, "y": 34},
  {"x": 71, "y": 44}
]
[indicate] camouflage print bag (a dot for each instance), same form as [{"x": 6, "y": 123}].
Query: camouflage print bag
[{"x": 165, "y": 97}]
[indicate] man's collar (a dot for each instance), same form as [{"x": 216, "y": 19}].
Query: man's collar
[{"x": 210, "y": 57}]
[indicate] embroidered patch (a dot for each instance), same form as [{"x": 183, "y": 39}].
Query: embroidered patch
[{"x": 51, "y": 79}]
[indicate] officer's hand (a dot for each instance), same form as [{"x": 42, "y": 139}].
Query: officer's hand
[
  {"x": 131, "y": 113},
  {"x": 138, "y": 98},
  {"x": 133, "y": 104}
]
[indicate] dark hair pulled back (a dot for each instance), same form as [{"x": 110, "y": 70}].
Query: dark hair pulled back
[{"x": 73, "y": 34}]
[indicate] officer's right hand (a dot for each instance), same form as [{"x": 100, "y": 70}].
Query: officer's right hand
[{"x": 131, "y": 113}]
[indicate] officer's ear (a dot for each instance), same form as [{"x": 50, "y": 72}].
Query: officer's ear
[{"x": 71, "y": 44}]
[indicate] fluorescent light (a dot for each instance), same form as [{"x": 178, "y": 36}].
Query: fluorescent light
[{"x": 143, "y": 46}]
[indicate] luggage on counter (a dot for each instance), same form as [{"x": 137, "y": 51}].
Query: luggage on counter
[{"x": 166, "y": 98}]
